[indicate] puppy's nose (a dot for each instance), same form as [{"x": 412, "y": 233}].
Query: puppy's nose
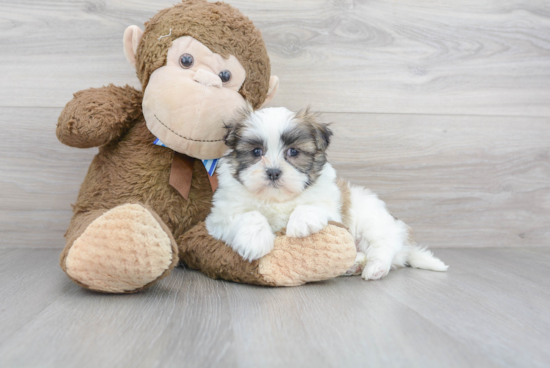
[
  {"x": 207, "y": 78},
  {"x": 273, "y": 174}
]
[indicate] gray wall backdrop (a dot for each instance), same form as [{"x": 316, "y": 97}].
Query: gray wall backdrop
[{"x": 443, "y": 108}]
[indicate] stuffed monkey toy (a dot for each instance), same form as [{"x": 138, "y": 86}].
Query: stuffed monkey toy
[{"x": 141, "y": 207}]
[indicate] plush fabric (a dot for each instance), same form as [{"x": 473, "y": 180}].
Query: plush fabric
[
  {"x": 133, "y": 169},
  {"x": 217, "y": 260},
  {"x": 222, "y": 28},
  {"x": 121, "y": 251},
  {"x": 97, "y": 116},
  {"x": 295, "y": 261},
  {"x": 292, "y": 262},
  {"x": 127, "y": 215},
  {"x": 169, "y": 120}
]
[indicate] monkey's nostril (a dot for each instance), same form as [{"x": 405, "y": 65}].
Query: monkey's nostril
[{"x": 273, "y": 174}]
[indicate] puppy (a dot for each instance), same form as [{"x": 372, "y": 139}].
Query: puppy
[{"x": 276, "y": 175}]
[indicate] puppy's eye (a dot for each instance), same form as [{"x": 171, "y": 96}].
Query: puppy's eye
[
  {"x": 293, "y": 152},
  {"x": 257, "y": 152},
  {"x": 225, "y": 76},
  {"x": 186, "y": 61}
]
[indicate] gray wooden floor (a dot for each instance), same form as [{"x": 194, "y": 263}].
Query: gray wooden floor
[{"x": 491, "y": 309}]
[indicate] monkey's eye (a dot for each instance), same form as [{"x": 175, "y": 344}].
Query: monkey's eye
[
  {"x": 186, "y": 61},
  {"x": 225, "y": 76},
  {"x": 292, "y": 152},
  {"x": 257, "y": 152}
]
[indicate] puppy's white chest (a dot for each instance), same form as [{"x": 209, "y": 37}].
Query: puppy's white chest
[{"x": 277, "y": 214}]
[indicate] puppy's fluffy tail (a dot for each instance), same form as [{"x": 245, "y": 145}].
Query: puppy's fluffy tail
[{"x": 419, "y": 257}]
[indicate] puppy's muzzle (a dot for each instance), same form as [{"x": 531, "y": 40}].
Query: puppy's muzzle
[{"x": 273, "y": 174}]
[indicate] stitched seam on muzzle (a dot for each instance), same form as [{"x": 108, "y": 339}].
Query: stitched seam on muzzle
[{"x": 189, "y": 139}]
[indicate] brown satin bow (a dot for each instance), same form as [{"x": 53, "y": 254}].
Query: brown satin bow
[{"x": 181, "y": 174}]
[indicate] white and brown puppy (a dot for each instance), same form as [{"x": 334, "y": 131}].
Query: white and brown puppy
[{"x": 276, "y": 175}]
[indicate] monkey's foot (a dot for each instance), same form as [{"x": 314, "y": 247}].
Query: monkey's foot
[
  {"x": 321, "y": 256},
  {"x": 124, "y": 250}
]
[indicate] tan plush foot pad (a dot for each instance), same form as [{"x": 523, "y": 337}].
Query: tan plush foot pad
[
  {"x": 121, "y": 251},
  {"x": 295, "y": 261}
]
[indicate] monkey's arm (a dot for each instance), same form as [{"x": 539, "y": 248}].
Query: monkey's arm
[
  {"x": 97, "y": 116},
  {"x": 293, "y": 261}
]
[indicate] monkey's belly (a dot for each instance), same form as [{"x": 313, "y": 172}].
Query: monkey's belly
[{"x": 135, "y": 170}]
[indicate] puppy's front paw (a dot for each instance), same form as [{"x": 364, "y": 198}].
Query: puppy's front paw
[
  {"x": 358, "y": 265},
  {"x": 254, "y": 239},
  {"x": 375, "y": 270},
  {"x": 306, "y": 220}
]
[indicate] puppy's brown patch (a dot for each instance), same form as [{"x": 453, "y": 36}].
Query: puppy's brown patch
[
  {"x": 345, "y": 199},
  {"x": 307, "y": 136},
  {"x": 241, "y": 156},
  {"x": 311, "y": 139}
]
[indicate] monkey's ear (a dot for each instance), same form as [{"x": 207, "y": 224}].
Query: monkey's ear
[
  {"x": 132, "y": 36},
  {"x": 273, "y": 87}
]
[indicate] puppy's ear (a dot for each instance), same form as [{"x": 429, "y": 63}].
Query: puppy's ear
[
  {"x": 322, "y": 135},
  {"x": 234, "y": 126},
  {"x": 230, "y": 139},
  {"x": 320, "y": 131}
]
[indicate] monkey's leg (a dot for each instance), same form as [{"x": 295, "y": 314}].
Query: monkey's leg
[
  {"x": 293, "y": 261},
  {"x": 122, "y": 250}
]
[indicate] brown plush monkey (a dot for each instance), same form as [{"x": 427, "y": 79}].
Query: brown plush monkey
[{"x": 141, "y": 206}]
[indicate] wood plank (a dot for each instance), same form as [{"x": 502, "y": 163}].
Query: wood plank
[
  {"x": 340, "y": 323},
  {"x": 496, "y": 302},
  {"x": 463, "y": 181},
  {"x": 30, "y": 280},
  {"x": 90, "y": 329},
  {"x": 37, "y": 172},
  {"x": 39, "y": 178},
  {"x": 459, "y": 181},
  {"x": 382, "y": 56},
  {"x": 482, "y": 312},
  {"x": 34, "y": 229}
]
